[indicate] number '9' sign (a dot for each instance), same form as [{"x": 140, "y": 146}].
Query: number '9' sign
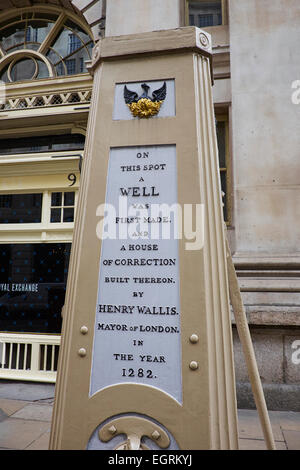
[{"x": 72, "y": 177}]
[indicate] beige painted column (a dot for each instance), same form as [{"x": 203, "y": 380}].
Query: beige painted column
[{"x": 188, "y": 400}]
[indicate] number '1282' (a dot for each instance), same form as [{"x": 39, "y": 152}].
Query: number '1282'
[{"x": 139, "y": 373}]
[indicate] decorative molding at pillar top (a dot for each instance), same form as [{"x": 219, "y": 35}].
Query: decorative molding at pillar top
[
  {"x": 185, "y": 39},
  {"x": 94, "y": 14}
]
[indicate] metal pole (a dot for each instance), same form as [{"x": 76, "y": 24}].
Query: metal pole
[{"x": 245, "y": 338}]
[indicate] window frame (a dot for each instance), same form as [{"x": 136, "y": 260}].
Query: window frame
[
  {"x": 62, "y": 206},
  {"x": 59, "y": 17},
  {"x": 21, "y": 200},
  {"x": 44, "y": 173},
  {"x": 45, "y": 225},
  {"x": 224, "y": 7}
]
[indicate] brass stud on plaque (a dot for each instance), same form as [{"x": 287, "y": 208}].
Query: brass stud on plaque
[
  {"x": 83, "y": 330},
  {"x": 82, "y": 352},
  {"x": 194, "y": 338},
  {"x": 155, "y": 435},
  {"x": 193, "y": 365},
  {"x": 112, "y": 429}
]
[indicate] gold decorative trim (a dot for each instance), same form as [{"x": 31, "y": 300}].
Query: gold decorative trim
[{"x": 145, "y": 108}]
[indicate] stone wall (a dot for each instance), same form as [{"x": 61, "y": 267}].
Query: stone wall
[
  {"x": 264, "y": 50},
  {"x": 265, "y": 235},
  {"x": 277, "y": 353}
]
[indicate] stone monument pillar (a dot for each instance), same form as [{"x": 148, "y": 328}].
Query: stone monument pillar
[{"x": 146, "y": 343}]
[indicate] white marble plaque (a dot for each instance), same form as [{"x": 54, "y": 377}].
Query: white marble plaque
[
  {"x": 121, "y": 110},
  {"x": 137, "y": 325}
]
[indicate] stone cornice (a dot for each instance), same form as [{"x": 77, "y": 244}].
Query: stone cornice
[
  {"x": 49, "y": 85},
  {"x": 152, "y": 43}
]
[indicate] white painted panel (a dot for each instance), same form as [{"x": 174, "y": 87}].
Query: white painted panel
[{"x": 137, "y": 327}]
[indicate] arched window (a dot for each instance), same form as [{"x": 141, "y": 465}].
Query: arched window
[{"x": 38, "y": 44}]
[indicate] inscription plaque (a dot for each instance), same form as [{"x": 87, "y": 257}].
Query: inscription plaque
[{"x": 137, "y": 325}]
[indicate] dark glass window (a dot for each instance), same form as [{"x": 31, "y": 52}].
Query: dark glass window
[
  {"x": 55, "y": 216},
  {"x": 42, "y": 144},
  {"x": 81, "y": 65},
  {"x": 33, "y": 280},
  {"x": 222, "y": 130},
  {"x": 74, "y": 43},
  {"x": 32, "y": 34},
  {"x": 62, "y": 207},
  {"x": 56, "y": 199},
  {"x": 224, "y": 189},
  {"x": 205, "y": 20},
  {"x": 71, "y": 66},
  {"x": 69, "y": 199},
  {"x": 221, "y": 138},
  {"x": 205, "y": 13},
  {"x": 20, "y": 208}
]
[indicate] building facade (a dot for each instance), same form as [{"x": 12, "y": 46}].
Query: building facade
[{"x": 45, "y": 48}]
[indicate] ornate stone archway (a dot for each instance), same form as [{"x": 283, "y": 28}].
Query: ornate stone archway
[{"x": 93, "y": 12}]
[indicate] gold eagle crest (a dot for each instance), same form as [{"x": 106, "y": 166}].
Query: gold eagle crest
[{"x": 143, "y": 106}]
